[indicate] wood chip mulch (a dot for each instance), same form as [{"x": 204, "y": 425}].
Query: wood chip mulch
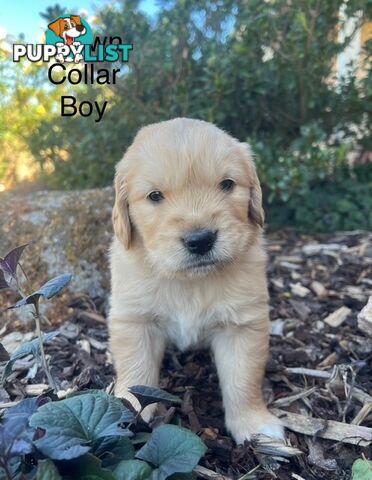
[{"x": 318, "y": 377}]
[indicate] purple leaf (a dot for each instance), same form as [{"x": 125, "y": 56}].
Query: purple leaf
[
  {"x": 3, "y": 283},
  {"x": 16, "y": 434},
  {"x": 10, "y": 262},
  {"x": 4, "y": 355}
]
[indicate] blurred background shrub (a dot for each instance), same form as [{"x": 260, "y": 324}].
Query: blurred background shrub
[{"x": 265, "y": 71}]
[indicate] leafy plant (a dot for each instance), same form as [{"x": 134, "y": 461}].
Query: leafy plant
[
  {"x": 9, "y": 278},
  {"x": 362, "y": 469},
  {"x": 263, "y": 71},
  {"x": 93, "y": 435},
  {"x": 89, "y": 435}
]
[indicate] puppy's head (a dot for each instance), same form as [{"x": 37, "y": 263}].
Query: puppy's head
[
  {"x": 188, "y": 195},
  {"x": 68, "y": 28}
]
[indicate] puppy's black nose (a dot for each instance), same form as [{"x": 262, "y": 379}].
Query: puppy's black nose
[
  {"x": 200, "y": 241},
  {"x": 80, "y": 28}
]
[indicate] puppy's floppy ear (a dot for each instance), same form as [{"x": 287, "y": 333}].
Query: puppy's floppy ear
[
  {"x": 255, "y": 211},
  {"x": 57, "y": 26},
  {"x": 76, "y": 19},
  {"x": 120, "y": 212}
]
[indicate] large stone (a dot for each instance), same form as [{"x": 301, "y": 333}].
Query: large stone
[{"x": 68, "y": 232}]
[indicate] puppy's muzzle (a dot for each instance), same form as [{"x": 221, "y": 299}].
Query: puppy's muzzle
[{"x": 199, "y": 242}]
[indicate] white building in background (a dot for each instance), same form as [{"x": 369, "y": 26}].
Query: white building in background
[{"x": 352, "y": 57}]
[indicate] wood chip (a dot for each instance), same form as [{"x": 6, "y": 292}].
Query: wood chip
[
  {"x": 329, "y": 361},
  {"x": 362, "y": 414},
  {"x": 84, "y": 345},
  {"x": 270, "y": 446},
  {"x": 91, "y": 317},
  {"x": 299, "y": 290},
  {"x": 338, "y": 317},
  {"x": 286, "y": 401},
  {"x": 362, "y": 396},
  {"x": 308, "y": 372},
  {"x": 329, "y": 429},
  {"x": 365, "y": 318},
  {"x": 316, "y": 248},
  {"x": 319, "y": 289},
  {"x": 97, "y": 344},
  {"x": 290, "y": 266},
  {"x": 35, "y": 389},
  {"x": 203, "y": 472}
]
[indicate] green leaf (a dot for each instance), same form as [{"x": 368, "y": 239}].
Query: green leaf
[
  {"x": 46, "y": 470},
  {"x": 132, "y": 470},
  {"x": 87, "y": 467},
  {"x": 48, "y": 290},
  {"x": 28, "y": 348},
  {"x": 72, "y": 425},
  {"x": 362, "y": 469},
  {"x": 172, "y": 450},
  {"x": 111, "y": 450},
  {"x": 148, "y": 395}
]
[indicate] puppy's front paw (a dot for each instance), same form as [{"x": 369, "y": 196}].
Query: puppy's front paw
[
  {"x": 78, "y": 57},
  {"x": 244, "y": 426}
]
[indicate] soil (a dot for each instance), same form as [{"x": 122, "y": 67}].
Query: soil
[{"x": 340, "y": 266}]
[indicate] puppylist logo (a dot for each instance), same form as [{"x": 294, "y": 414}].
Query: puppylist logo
[{"x": 69, "y": 41}]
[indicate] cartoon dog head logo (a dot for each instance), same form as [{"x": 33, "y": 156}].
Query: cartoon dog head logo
[
  {"x": 68, "y": 32},
  {"x": 68, "y": 28}
]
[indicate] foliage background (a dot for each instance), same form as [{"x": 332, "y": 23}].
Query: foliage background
[{"x": 262, "y": 70}]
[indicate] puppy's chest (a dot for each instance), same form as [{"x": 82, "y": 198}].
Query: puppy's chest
[
  {"x": 189, "y": 320},
  {"x": 185, "y": 329}
]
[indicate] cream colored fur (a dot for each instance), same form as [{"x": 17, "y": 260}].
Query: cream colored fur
[{"x": 160, "y": 296}]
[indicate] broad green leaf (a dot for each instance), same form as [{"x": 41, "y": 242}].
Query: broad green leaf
[
  {"x": 172, "y": 450},
  {"x": 111, "y": 450},
  {"x": 140, "y": 437},
  {"x": 87, "y": 467},
  {"x": 74, "y": 424},
  {"x": 147, "y": 395},
  {"x": 46, "y": 470},
  {"x": 132, "y": 470},
  {"x": 362, "y": 469}
]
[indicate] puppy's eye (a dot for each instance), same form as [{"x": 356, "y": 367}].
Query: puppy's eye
[
  {"x": 155, "y": 196},
  {"x": 227, "y": 185},
  {"x": 66, "y": 27}
]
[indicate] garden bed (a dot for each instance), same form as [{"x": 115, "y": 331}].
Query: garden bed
[{"x": 318, "y": 376}]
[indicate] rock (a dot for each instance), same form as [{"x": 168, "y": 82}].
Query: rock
[
  {"x": 338, "y": 317},
  {"x": 68, "y": 232},
  {"x": 365, "y": 318}
]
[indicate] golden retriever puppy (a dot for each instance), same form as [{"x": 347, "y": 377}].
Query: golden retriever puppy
[{"x": 188, "y": 266}]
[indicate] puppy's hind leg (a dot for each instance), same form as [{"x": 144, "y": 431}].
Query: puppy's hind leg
[
  {"x": 137, "y": 346},
  {"x": 240, "y": 353}
]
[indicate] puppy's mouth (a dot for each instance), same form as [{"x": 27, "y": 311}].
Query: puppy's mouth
[
  {"x": 203, "y": 265},
  {"x": 69, "y": 40}
]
